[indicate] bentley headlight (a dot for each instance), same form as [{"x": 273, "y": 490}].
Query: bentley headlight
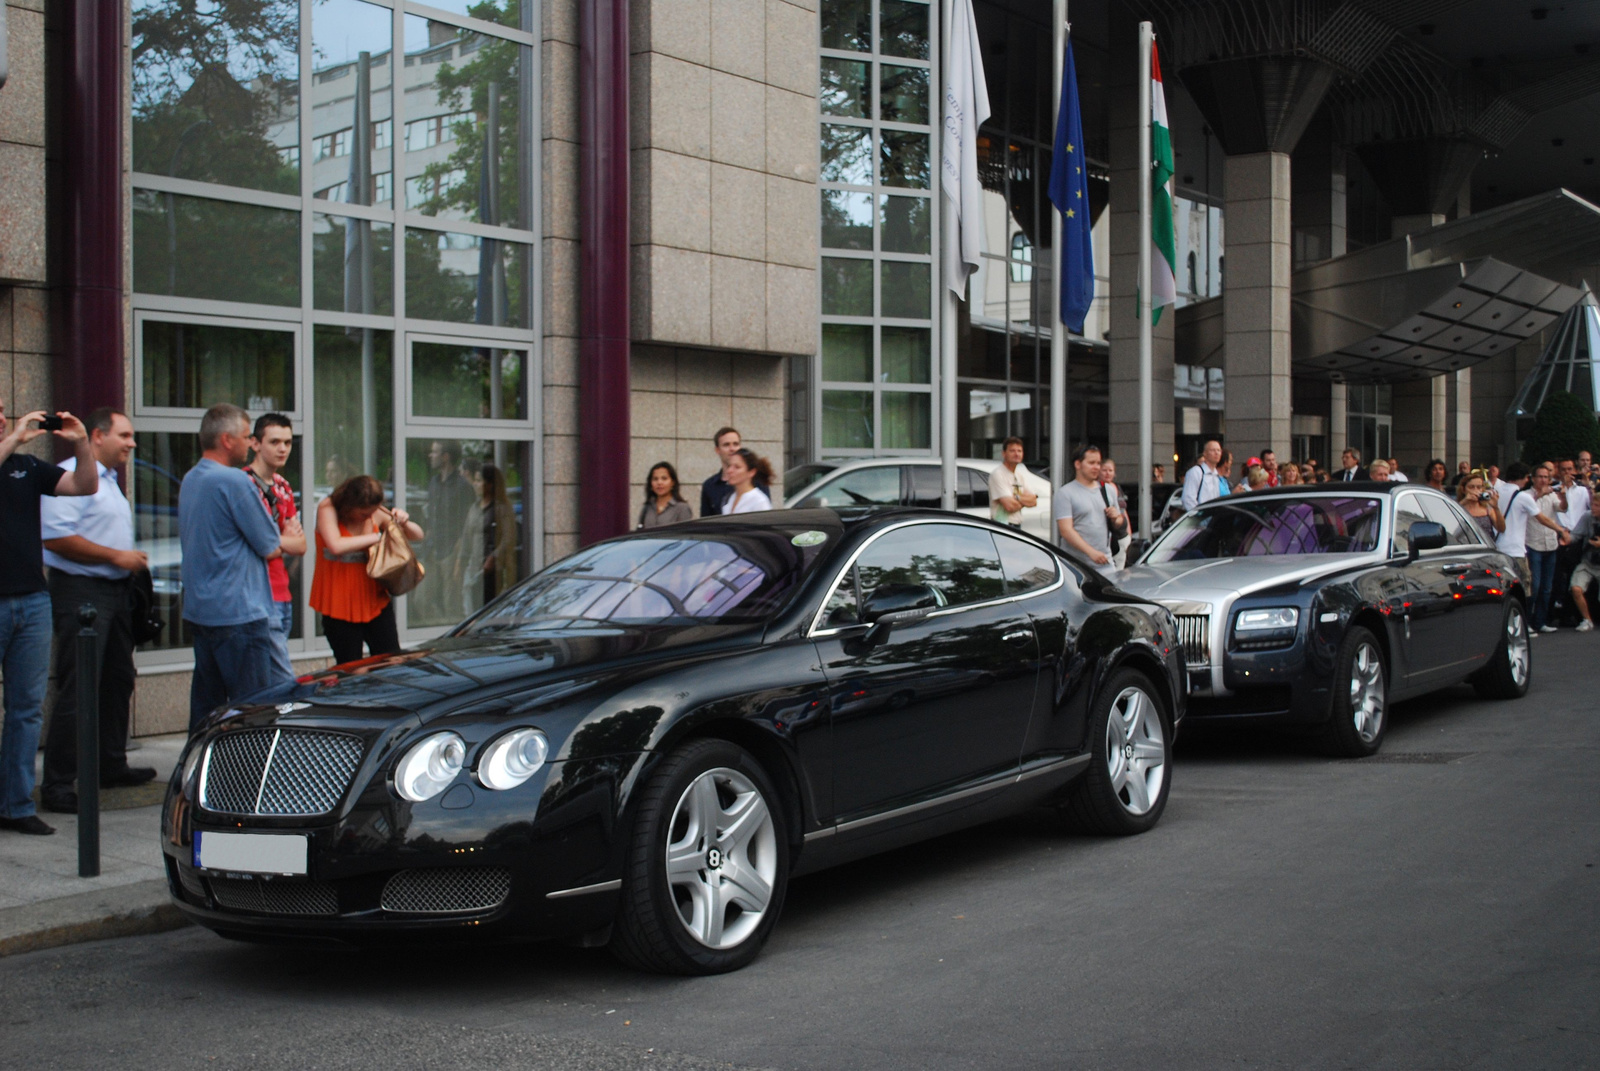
[
  {"x": 191, "y": 765},
  {"x": 512, "y": 759},
  {"x": 429, "y": 766},
  {"x": 1273, "y": 620}
]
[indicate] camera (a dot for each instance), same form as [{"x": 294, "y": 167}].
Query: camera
[
  {"x": 51, "y": 423},
  {"x": 1484, "y": 496}
]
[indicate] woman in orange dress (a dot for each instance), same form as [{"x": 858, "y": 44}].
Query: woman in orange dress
[{"x": 355, "y": 608}]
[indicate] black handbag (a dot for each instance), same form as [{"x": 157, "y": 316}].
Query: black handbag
[{"x": 147, "y": 620}]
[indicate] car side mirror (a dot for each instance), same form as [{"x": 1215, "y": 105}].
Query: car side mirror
[
  {"x": 891, "y": 605},
  {"x": 1136, "y": 548},
  {"x": 1425, "y": 535}
]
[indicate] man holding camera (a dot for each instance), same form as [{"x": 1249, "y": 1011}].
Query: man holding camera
[
  {"x": 24, "y": 600},
  {"x": 88, "y": 545}
]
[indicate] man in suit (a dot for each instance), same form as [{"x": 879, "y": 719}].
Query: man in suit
[{"x": 1352, "y": 465}]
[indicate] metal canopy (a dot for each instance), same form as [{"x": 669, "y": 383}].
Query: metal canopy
[
  {"x": 1425, "y": 304},
  {"x": 1568, "y": 363}
]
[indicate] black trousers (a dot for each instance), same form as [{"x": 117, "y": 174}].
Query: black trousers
[
  {"x": 380, "y": 635},
  {"x": 113, "y": 632}
]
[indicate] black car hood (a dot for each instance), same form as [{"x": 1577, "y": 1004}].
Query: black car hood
[{"x": 443, "y": 675}]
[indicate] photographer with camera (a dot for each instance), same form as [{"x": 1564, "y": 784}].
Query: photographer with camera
[
  {"x": 1481, "y": 503},
  {"x": 24, "y": 598}
]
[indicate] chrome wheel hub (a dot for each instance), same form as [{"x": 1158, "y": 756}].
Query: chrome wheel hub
[
  {"x": 1517, "y": 646},
  {"x": 721, "y": 857},
  {"x": 1367, "y": 693},
  {"x": 1136, "y": 751}
]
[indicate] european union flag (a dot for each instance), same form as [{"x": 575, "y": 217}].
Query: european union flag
[{"x": 1069, "y": 192}]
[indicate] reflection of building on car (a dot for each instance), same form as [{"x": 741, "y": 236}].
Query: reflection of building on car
[
  {"x": 1320, "y": 607},
  {"x": 883, "y": 481},
  {"x": 643, "y": 742}
]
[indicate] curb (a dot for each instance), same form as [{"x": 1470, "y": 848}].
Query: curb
[{"x": 143, "y": 907}]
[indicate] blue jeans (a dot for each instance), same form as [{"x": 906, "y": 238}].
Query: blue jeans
[
  {"x": 280, "y": 621},
  {"x": 1542, "y": 564},
  {"x": 231, "y": 663},
  {"x": 25, "y": 622}
]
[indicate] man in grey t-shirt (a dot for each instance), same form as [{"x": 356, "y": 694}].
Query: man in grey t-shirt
[{"x": 1081, "y": 512}]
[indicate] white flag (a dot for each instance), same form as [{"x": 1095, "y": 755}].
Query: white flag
[{"x": 966, "y": 107}]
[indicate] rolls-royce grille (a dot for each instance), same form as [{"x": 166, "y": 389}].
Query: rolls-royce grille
[
  {"x": 444, "y": 890},
  {"x": 1194, "y": 632},
  {"x": 276, "y": 897},
  {"x": 279, "y": 771}
]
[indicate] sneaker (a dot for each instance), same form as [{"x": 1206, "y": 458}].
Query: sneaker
[
  {"x": 1585, "y": 626},
  {"x": 32, "y": 825},
  {"x": 1547, "y": 628}
]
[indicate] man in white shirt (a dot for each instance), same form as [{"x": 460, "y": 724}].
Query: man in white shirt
[
  {"x": 1577, "y": 496},
  {"x": 1522, "y": 512},
  {"x": 88, "y": 548},
  {"x": 1395, "y": 475},
  {"x": 1010, "y": 490},
  {"x": 1351, "y": 459},
  {"x": 1202, "y": 482}
]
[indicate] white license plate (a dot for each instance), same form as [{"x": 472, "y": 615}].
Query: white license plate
[{"x": 251, "y": 853}]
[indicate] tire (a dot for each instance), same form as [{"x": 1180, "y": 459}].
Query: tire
[
  {"x": 1130, "y": 760},
  {"x": 699, "y": 902},
  {"x": 1510, "y": 668},
  {"x": 1360, "y": 702}
]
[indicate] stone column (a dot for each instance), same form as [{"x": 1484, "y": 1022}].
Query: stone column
[
  {"x": 1458, "y": 419},
  {"x": 1255, "y": 301}
]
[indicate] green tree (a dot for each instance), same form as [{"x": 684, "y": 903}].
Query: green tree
[{"x": 1564, "y": 425}]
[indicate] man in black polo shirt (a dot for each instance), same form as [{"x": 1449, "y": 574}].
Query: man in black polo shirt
[
  {"x": 715, "y": 491},
  {"x": 25, "y": 601}
]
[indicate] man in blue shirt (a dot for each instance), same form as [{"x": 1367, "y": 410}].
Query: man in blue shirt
[
  {"x": 88, "y": 547},
  {"x": 24, "y": 602},
  {"x": 227, "y": 539}
]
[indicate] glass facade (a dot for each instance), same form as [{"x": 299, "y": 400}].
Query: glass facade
[
  {"x": 876, "y": 206},
  {"x": 333, "y": 217}
]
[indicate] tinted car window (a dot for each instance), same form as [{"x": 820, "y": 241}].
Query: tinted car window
[
  {"x": 719, "y": 577},
  {"x": 1027, "y": 567},
  {"x": 957, "y": 561},
  {"x": 1455, "y": 528},
  {"x": 1407, "y": 511},
  {"x": 1265, "y": 525},
  {"x": 976, "y": 489},
  {"x": 927, "y": 487},
  {"x": 878, "y": 486}
]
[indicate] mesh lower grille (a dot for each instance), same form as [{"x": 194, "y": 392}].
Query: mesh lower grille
[
  {"x": 1194, "y": 633},
  {"x": 276, "y": 897},
  {"x": 279, "y": 771},
  {"x": 191, "y": 881},
  {"x": 445, "y": 890}
]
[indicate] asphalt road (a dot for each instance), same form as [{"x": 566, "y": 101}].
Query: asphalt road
[{"x": 1434, "y": 908}]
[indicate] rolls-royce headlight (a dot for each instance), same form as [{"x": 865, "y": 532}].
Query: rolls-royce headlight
[
  {"x": 429, "y": 766},
  {"x": 1273, "y": 620},
  {"x": 512, "y": 759}
]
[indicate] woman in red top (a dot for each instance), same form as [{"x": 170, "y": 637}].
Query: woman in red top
[{"x": 354, "y": 607}]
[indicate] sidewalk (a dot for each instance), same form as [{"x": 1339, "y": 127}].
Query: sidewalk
[{"x": 43, "y": 902}]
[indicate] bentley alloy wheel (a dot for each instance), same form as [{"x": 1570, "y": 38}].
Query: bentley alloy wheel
[
  {"x": 1136, "y": 753},
  {"x": 1125, "y": 787},
  {"x": 721, "y": 858}
]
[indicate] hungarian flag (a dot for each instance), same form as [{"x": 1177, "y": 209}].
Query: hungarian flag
[{"x": 1163, "y": 243}]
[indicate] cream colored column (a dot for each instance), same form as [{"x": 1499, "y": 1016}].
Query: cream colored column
[{"x": 1255, "y": 301}]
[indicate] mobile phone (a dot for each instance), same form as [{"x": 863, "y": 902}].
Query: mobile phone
[{"x": 51, "y": 423}]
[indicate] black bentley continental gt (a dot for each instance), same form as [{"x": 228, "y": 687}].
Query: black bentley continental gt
[{"x": 642, "y": 743}]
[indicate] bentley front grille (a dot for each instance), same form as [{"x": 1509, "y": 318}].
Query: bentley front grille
[
  {"x": 442, "y": 890},
  {"x": 276, "y": 897},
  {"x": 278, "y": 772},
  {"x": 1194, "y": 632}
]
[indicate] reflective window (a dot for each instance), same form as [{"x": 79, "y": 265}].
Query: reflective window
[
  {"x": 927, "y": 487},
  {"x": 846, "y": 220},
  {"x": 1459, "y": 531},
  {"x": 847, "y": 25},
  {"x": 907, "y": 420},
  {"x": 189, "y": 247},
  {"x": 907, "y": 355},
  {"x": 475, "y": 382},
  {"x": 1028, "y": 566},
  {"x": 353, "y": 403},
  {"x": 846, "y": 89},
  {"x": 847, "y": 154},
  {"x": 846, "y": 287},
  {"x": 1407, "y": 511},
  {"x": 352, "y": 265},
  {"x": 847, "y": 352},
  {"x": 1258, "y": 526},
  {"x": 197, "y": 365},
  {"x": 847, "y": 418},
  {"x": 351, "y": 49},
  {"x": 957, "y": 562},
  {"x": 156, "y": 472},
  {"x": 905, "y": 28},
  {"x": 875, "y": 486},
  {"x": 462, "y": 278}
]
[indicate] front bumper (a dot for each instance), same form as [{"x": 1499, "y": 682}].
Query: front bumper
[
  {"x": 468, "y": 863},
  {"x": 1286, "y": 685}
]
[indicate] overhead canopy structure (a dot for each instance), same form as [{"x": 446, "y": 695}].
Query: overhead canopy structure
[
  {"x": 1568, "y": 363},
  {"x": 1425, "y": 304}
]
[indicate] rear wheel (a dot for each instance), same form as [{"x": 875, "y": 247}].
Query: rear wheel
[
  {"x": 1360, "y": 697},
  {"x": 710, "y": 859},
  {"x": 1125, "y": 789},
  {"x": 1510, "y": 668}
]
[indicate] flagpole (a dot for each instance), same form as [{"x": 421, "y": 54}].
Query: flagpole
[
  {"x": 1146, "y": 295},
  {"x": 948, "y": 318},
  {"x": 1058, "y": 330}
]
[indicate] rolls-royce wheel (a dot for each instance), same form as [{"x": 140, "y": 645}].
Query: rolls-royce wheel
[
  {"x": 705, "y": 878},
  {"x": 1130, "y": 764},
  {"x": 1510, "y": 668},
  {"x": 1360, "y": 697}
]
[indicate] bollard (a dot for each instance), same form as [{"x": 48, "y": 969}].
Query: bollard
[{"x": 88, "y": 745}]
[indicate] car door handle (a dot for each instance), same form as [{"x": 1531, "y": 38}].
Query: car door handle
[
  {"x": 1018, "y": 635},
  {"x": 1454, "y": 567}
]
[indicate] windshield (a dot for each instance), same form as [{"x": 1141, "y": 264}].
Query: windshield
[
  {"x": 1253, "y": 527},
  {"x": 726, "y": 576}
]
